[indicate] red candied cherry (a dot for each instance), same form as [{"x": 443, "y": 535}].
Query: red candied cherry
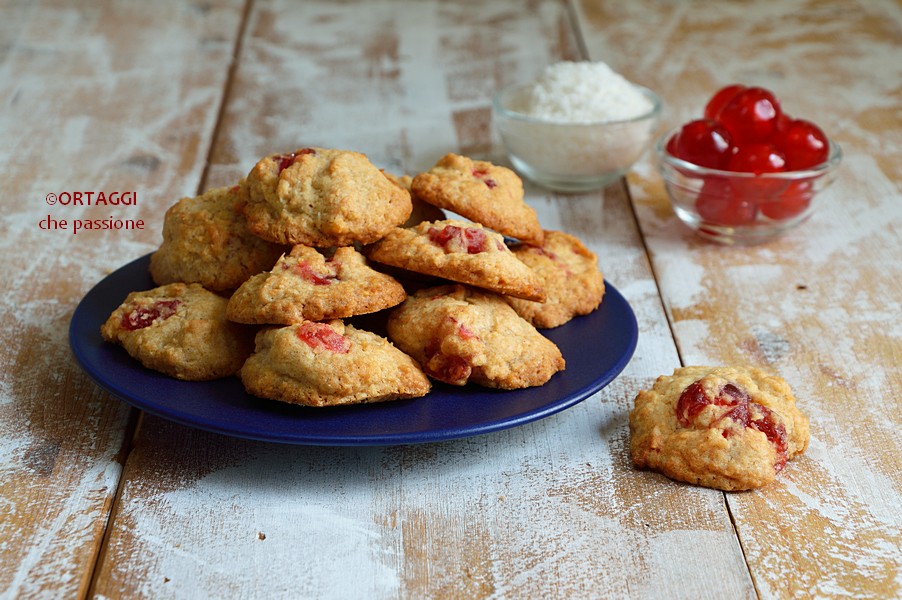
[
  {"x": 702, "y": 142},
  {"x": 741, "y": 409},
  {"x": 448, "y": 368},
  {"x": 691, "y": 402},
  {"x": 764, "y": 421},
  {"x": 720, "y": 99},
  {"x": 791, "y": 202},
  {"x": 803, "y": 143},
  {"x": 306, "y": 272},
  {"x": 694, "y": 399},
  {"x": 320, "y": 335},
  {"x": 145, "y": 316},
  {"x": 721, "y": 203},
  {"x": 751, "y": 115},
  {"x": 757, "y": 158},
  {"x": 455, "y": 239},
  {"x": 286, "y": 160}
]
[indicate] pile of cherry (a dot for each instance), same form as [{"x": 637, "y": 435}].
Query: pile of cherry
[{"x": 744, "y": 130}]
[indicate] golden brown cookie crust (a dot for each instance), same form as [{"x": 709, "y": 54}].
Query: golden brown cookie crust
[
  {"x": 482, "y": 192},
  {"x": 729, "y": 428},
  {"x": 460, "y": 335},
  {"x": 568, "y": 272},
  {"x": 327, "y": 364},
  {"x": 459, "y": 251},
  {"x": 322, "y": 197},
  {"x": 180, "y": 330},
  {"x": 305, "y": 285},
  {"x": 206, "y": 241}
]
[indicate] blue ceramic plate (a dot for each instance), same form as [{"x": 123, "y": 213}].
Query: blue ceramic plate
[{"x": 596, "y": 347}]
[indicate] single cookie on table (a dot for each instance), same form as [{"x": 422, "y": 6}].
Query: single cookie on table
[
  {"x": 460, "y": 335},
  {"x": 180, "y": 330},
  {"x": 323, "y": 198},
  {"x": 482, "y": 192},
  {"x": 568, "y": 272},
  {"x": 459, "y": 251},
  {"x": 422, "y": 211},
  {"x": 206, "y": 241},
  {"x": 305, "y": 285},
  {"x": 331, "y": 363},
  {"x": 728, "y": 428}
]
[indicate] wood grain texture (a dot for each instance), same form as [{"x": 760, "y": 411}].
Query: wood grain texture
[
  {"x": 820, "y": 306},
  {"x": 551, "y": 509},
  {"x": 96, "y": 97}
]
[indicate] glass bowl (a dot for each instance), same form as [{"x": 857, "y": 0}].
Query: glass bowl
[
  {"x": 742, "y": 208},
  {"x": 571, "y": 157}
]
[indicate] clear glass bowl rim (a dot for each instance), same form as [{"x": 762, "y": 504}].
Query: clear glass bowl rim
[
  {"x": 834, "y": 157},
  {"x": 499, "y": 108}
]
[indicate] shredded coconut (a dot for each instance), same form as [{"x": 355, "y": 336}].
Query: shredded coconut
[
  {"x": 576, "y": 127},
  {"x": 583, "y": 92}
]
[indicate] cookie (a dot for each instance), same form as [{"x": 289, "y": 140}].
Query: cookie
[
  {"x": 322, "y": 197},
  {"x": 728, "y": 428},
  {"x": 459, "y": 251},
  {"x": 180, "y": 330},
  {"x": 482, "y": 192},
  {"x": 568, "y": 272},
  {"x": 206, "y": 241},
  {"x": 325, "y": 364},
  {"x": 305, "y": 285},
  {"x": 422, "y": 211},
  {"x": 460, "y": 335}
]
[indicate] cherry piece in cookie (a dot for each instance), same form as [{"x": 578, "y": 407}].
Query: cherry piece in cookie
[
  {"x": 459, "y": 239},
  {"x": 741, "y": 410},
  {"x": 144, "y": 316},
  {"x": 286, "y": 160},
  {"x": 694, "y": 399},
  {"x": 321, "y": 335},
  {"x": 306, "y": 272}
]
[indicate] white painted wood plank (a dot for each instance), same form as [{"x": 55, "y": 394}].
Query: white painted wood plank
[
  {"x": 96, "y": 97},
  {"x": 820, "y": 306},
  {"x": 551, "y": 509}
]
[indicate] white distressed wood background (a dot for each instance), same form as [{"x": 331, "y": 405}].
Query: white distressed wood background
[{"x": 171, "y": 98}]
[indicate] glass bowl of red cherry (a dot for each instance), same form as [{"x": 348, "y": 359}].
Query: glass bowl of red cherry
[{"x": 747, "y": 171}]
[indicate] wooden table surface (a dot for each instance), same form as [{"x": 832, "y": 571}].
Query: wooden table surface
[{"x": 170, "y": 98}]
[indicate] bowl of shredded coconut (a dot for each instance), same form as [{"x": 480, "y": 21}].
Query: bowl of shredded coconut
[{"x": 576, "y": 127}]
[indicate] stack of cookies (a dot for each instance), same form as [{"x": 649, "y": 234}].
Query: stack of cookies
[{"x": 260, "y": 280}]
